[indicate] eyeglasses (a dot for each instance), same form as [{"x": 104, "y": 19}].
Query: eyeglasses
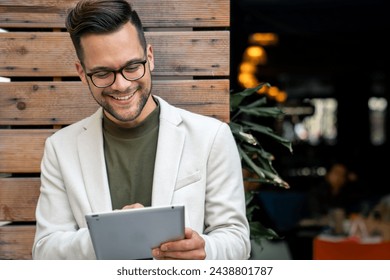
[{"x": 131, "y": 72}]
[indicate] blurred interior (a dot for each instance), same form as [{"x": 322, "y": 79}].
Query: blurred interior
[{"x": 328, "y": 61}]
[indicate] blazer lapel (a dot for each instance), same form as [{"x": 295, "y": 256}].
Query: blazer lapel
[
  {"x": 169, "y": 150},
  {"x": 90, "y": 145}
]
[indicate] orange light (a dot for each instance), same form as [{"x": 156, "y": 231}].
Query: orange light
[
  {"x": 256, "y": 55},
  {"x": 247, "y": 67},
  {"x": 255, "y": 51},
  {"x": 244, "y": 77},
  {"x": 247, "y": 80},
  {"x": 273, "y": 91},
  {"x": 281, "y": 96},
  {"x": 264, "y": 39},
  {"x": 263, "y": 90}
]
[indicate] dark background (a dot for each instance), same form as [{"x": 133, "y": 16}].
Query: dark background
[{"x": 344, "y": 45}]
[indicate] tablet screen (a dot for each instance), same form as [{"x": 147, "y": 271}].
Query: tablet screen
[{"x": 133, "y": 233}]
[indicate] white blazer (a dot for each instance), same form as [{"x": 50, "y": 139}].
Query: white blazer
[{"x": 197, "y": 164}]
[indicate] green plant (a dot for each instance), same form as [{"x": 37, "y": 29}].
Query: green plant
[{"x": 245, "y": 108}]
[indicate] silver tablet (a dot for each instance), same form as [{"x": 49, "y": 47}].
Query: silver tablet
[{"x": 132, "y": 234}]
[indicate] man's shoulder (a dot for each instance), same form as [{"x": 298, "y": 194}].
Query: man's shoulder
[
  {"x": 75, "y": 128},
  {"x": 172, "y": 112},
  {"x": 198, "y": 117}
]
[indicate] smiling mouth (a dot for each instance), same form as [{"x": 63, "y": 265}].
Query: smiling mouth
[{"x": 123, "y": 97}]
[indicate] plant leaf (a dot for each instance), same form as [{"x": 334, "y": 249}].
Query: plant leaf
[
  {"x": 269, "y": 132},
  {"x": 237, "y": 98},
  {"x": 272, "y": 112},
  {"x": 251, "y": 164},
  {"x": 259, "y": 232},
  {"x": 253, "y": 157}
]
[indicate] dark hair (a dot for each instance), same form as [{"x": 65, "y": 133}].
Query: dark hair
[{"x": 100, "y": 17}]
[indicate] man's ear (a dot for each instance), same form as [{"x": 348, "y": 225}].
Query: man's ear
[
  {"x": 150, "y": 57},
  {"x": 81, "y": 72}
]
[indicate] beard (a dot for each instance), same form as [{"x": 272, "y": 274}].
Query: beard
[{"x": 129, "y": 112}]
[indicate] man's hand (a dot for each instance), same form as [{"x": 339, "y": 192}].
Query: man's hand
[
  {"x": 190, "y": 248},
  {"x": 132, "y": 206}
]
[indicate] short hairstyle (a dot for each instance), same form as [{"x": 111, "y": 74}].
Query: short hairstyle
[{"x": 100, "y": 17}]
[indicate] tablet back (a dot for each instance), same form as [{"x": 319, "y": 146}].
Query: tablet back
[{"x": 132, "y": 233}]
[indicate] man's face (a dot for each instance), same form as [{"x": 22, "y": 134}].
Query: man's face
[{"x": 124, "y": 102}]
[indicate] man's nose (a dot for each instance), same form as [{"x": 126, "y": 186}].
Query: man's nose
[{"x": 120, "y": 82}]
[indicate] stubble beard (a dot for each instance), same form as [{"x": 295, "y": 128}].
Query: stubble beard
[{"x": 144, "y": 94}]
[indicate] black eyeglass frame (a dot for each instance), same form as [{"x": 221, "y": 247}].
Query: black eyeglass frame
[{"x": 120, "y": 70}]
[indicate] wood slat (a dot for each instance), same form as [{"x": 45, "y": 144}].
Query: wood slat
[
  {"x": 51, "y": 54},
  {"x": 21, "y": 150},
  {"x": 206, "y": 97},
  {"x": 61, "y": 103},
  {"x": 167, "y": 13},
  {"x": 16, "y": 242},
  {"x": 18, "y": 198},
  {"x": 43, "y": 91}
]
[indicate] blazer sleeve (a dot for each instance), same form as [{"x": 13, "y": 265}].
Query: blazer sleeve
[{"x": 226, "y": 226}]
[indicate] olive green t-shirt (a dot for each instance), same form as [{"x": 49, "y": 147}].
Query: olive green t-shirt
[{"x": 130, "y": 154}]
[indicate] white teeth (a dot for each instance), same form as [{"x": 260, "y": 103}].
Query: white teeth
[{"x": 122, "y": 97}]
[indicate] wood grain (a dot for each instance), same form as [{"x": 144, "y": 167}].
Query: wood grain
[
  {"x": 51, "y": 54},
  {"x": 168, "y": 13}
]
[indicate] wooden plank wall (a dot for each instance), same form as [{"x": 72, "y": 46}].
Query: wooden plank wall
[{"x": 192, "y": 49}]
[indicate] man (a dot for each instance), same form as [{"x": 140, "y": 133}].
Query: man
[{"x": 135, "y": 151}]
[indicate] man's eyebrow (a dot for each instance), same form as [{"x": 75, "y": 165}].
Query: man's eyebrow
[
  {"x": 100, "y": 68},
  {"x": 104, "y": 68}
]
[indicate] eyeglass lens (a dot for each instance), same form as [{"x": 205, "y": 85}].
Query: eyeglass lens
[{"x": 130, "y": 72}]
